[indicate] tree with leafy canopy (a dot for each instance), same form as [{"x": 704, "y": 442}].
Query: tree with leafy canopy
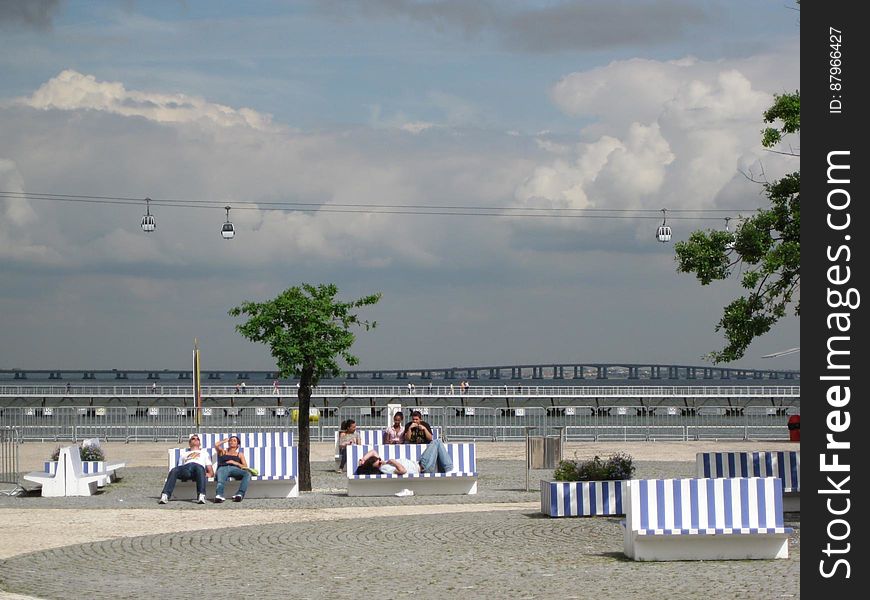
[
  {"x": 307, "y": 329},
  {"x": 766, "y": 247}
]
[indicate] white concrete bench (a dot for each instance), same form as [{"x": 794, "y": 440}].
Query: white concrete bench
[
  {"x": 783, "y": 464},
  {"x": 461, "y": 480},
  {"x": 374, "y": 437},
  {"x": 278, "y": 468},
  {"x": 112, "y": 470},
  {"x": 69, "y": 477},
  {"x": 705, "y": 519}
]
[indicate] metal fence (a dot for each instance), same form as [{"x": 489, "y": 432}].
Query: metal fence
[
  {"x": 131, "y": 424},
  {"x": 9, "y": 441}
]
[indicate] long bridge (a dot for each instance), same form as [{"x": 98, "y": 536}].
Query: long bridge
[
  {"x": 590, "y": 400},
  {"x": 600, "y": 372}
]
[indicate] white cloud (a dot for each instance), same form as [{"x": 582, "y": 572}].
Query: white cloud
[
  {"x": 416, "y": 126},
  {"x": 72, "y": 90},
  {"x": 180, "y": 280},
  {"x": 103, "y": 144},
  {"x": 666, "y": 134},
  {"x": 18, "y": 216}
]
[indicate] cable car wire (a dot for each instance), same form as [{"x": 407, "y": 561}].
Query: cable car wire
[{"x": 395, "y": 209}]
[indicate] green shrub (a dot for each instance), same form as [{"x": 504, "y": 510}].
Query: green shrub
[
  {"x": 90, "y": 453},
  {"x": 617, "y": 466}
]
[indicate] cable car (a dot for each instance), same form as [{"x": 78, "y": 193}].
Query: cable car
[
  {"x": 729, "y": 245},
  {"x": 228, "y": 232},
  {"x": 663, "y": 233},
  {"x": 148, "y": 223}
]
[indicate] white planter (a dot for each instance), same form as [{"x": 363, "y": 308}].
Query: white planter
[{"x": 583, "y": 498}]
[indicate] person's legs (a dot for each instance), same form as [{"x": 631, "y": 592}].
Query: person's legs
[
  {"x": 429, "y": 458},
  {"x": 445, "y": 462},
  {"x": 223, "y": 473},
  {"x": 436, "y": 458},
  {"x": 343, "y": 453},
  {"x": 245, "y": 476},
  {"x": 171, "y": 478},
  {"x": 199, "y": 474}
]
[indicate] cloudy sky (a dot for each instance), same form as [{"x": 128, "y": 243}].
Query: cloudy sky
[{"x": 510, "y": 107}]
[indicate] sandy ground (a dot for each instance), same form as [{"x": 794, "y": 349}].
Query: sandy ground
[{"x": 29, "y": 530}]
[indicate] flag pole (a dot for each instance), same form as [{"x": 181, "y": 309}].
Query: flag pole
[{"x": 197, "y": 392}]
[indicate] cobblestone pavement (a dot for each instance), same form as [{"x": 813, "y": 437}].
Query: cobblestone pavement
[
  {"x": 510, "y": 554},
  {"x": 500, "y": 554}
]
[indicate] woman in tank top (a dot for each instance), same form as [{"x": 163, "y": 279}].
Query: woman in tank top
[{"x": 231, "y": 463}]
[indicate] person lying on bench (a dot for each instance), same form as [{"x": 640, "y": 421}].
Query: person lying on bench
[
  {"x": 195, "y": 463},
  {"x": 435, "y": 459}
]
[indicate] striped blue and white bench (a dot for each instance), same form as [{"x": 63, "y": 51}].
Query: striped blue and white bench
[
  {"x": 582, "y": 498},
  {"x": 253, "y": 439},
  {"x": 461, "y": 480},
  {"x": 705, "y": 519},
  {"x": 278, "y": 476},
  {"x": 375, "y": 437},
  {"x": 112, "y": 471},
  {"x": 783, "y": 464}
]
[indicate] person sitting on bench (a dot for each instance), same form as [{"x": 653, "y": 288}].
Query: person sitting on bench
[{"x": 195, "y": 464}]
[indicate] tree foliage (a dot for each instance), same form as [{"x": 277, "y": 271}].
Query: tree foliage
[
  {"x": 307, "y": 330},
  {"x": 765, "y": 248}
]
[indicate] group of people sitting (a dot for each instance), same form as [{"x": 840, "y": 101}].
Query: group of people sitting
[
  {"x": 435, "y": 459},
  {"x": 195, "y": 464}
]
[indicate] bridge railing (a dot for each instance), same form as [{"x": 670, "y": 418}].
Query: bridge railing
[
  {"x": 457, "y": 422},
  {"x": 400, "y": 393}
]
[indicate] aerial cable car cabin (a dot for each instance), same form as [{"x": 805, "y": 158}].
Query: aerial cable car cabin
[
  {"x": 148, "y": 223},
  {"x": 730, "y": 244},
  {"x": 663, "y": 233},
  {"x": 228, "y": 232}
]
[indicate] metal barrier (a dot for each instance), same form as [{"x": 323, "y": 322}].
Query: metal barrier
[
  {"x": 623, "y": 423},
  {"x": 9, "y": 460}
]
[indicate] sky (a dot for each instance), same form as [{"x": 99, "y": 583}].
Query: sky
[{"x": 508, "y": 106}]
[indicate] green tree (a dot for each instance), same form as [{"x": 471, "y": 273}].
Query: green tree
[
  {"x": 766, "y": 247},
  {"x": 307, "y": 330}
]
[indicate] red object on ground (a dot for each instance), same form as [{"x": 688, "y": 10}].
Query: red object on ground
[{"x": 794, "y": 428}]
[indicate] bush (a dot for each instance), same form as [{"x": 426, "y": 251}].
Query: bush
[
  {"x": 87, "y": 453},
  {"x": 617, "y": 466}
]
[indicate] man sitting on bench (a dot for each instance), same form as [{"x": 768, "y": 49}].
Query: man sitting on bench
[
  {"x": 418, "y": 431},
  {"x": 195, "y": 463}
]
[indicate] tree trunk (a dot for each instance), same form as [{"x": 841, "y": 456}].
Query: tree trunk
[{"x": 304, "y": 397}]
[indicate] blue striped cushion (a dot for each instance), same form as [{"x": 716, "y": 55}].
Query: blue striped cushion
[
  {"x": 88, "y": 466},
  {"x": 582, "y": 498},
  {"x": 707, "y": 506},
  {"x": 250, "y": 439},
  {"x": 783, "y": 464}
]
